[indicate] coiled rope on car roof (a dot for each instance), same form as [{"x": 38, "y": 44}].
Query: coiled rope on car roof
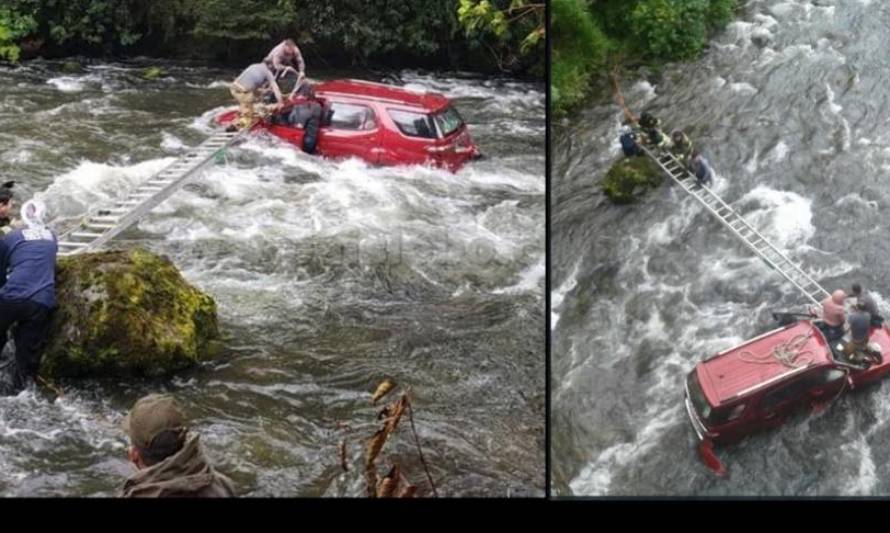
[{"x": 790, "y": 354}]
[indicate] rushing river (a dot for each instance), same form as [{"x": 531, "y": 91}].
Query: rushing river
[
  {"x": 791, "y": 105},
  {"x": 328, "y": 277}
]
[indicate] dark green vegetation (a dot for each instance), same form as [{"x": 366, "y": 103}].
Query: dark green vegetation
[
  {"x": 630, "y": 177},
  {"x": 127, "y": 313},
  {"x": 592, "y": 37},
  {"x": 505, "y": 35}
]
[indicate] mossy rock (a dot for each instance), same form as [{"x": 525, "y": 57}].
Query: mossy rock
[
  {"x": 152, "y": 73},
  {"x": 126, "y": 313},
  {"x": 72, "y": 67},
  {"x": 630, "y": 178}
]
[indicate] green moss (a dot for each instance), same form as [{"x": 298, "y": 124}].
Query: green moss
[
  {"x": 152, "y": 73},
  {"x": 72, "y": 67},
  {"x": 124, "y": 313},
  {"x": 630, "y": 177}
]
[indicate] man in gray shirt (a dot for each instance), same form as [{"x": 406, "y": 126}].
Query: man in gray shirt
[
  {"x": 248, "y": 88},
  {"x": 858, "y": 350},
  {"x": 868, "y": 304}
]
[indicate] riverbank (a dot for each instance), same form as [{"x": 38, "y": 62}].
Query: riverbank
[
  {"x": 428, "y": 34},
  {"x": 590, "y": 42}
]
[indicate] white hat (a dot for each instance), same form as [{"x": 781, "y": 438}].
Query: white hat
[{"x": 33, "y": 213}]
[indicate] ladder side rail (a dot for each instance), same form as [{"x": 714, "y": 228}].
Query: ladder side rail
[
  {"x": 759, "y": 235},
  {"x": 153, "y": 201},
  {"x": 725, "y": 221}
]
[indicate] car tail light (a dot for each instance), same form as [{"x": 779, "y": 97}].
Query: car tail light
[{"x": 439, "y": 149}]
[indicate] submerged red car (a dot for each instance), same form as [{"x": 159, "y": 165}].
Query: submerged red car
[
  {"x": 381, "y": 124},
  {"x": 758, "y": 384}
]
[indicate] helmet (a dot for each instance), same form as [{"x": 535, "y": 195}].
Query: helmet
[
  {"x": 646, "y": 119},
  {"x": 677, "y": 135}
]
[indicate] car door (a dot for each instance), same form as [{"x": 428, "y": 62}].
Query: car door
[
  {"x": 350, "y": 130},
  {"x": 817, "y": 385}
]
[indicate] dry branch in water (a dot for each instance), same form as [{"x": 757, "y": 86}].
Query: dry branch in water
[{"x": 394, "y": 484}]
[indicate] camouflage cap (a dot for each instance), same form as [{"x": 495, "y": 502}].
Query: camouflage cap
[{"x": 151, "y": 416}]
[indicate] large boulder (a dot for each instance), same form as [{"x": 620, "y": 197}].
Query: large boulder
[
  {"x": 630, "y": 178},
  {"x": 124, "y": 313}
]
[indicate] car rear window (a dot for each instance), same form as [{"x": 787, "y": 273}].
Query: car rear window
[
  {"x": 414, "y": 124},
  {"x": 449, "y": 121}
]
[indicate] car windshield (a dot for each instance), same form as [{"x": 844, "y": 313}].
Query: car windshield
[
  {"x": 449, "y": 121},
  {"x": 702, "y": 407}
]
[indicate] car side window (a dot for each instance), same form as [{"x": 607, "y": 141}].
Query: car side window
[
  {"x": 351, "y": 117},
  {"x": 414, "y": 124},
  {"x": 800, "y": 386}
]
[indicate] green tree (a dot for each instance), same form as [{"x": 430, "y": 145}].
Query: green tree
[
  {"x": 579, "y": 49},
  {"x": 13, "y": 27},
  {"x": 517, "y": 27},
  {"x": 671, "y": 29}
]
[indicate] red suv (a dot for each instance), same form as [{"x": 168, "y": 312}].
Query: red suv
[
  {"x": 759, "y": 383},
  {"x": 383, "y": 125}
]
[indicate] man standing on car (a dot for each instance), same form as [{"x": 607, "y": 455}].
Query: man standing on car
[
  {"x": 865, "y": 299},
  {"x": 860, "y": 328},
  {"x": 284, "y": 58}
]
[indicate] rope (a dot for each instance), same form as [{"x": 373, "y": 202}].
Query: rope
[{"x": 789, "y": 353}]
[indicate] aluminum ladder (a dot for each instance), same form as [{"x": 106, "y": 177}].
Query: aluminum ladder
[
  {"x": 102, "y": 224},
  {"x": 739, "y": 227}
]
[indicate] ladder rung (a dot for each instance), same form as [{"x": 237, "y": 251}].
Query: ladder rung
[
  {"x": 105, "y": 219},
  {"x": 69, "y": 244},
  {"x": 84, "y": 235},
  {"x": 98, "y": 226}
]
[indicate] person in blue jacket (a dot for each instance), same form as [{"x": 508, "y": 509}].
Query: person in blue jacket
[{"x": 27, "y": 289}]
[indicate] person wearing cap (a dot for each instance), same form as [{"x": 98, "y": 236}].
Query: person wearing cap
[
  {"x": 167, "y": 454},
  {"x": 682, "y": 147},
  {"x": 652, "y": 134},
  {"x": 27, "y": 290}
]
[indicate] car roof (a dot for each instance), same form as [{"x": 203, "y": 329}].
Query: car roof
[
  {"x": 379, "y": 92},
  {"x": 750, "y": 366}
]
